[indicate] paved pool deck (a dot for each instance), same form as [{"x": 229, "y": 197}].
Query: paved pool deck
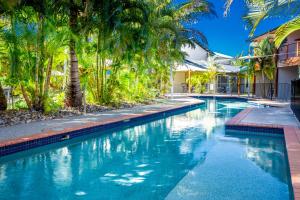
[
  {"x": 278, "y": 118},
  {"x": 40, "y": 129}
]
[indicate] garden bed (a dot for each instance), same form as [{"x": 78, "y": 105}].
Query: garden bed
[{"x": 14, "y": 117}]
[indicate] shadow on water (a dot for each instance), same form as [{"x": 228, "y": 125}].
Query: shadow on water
[{"x": 267, "y": 152}]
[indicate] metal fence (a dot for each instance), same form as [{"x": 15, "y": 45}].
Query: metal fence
[
  {"x": 295, "y": 97},
  {"x": 284, "y": 91},
  {"x": 280, "y": 91}
]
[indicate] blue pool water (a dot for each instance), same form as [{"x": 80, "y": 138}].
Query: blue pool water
[{"x": 185, "y": 156}]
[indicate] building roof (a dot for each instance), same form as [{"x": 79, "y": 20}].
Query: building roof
[
  {"x": 188, "y": 67},
  {"x": 222, "y": 55},
  {"x": 196, "y": 67},
  {"x": 200, "y": 64},
  {"x": 264, "y": 35},
  {"x": 229, "y": 69},
  {"x": 196, "y": 60}
]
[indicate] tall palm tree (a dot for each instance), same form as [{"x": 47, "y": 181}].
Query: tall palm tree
[
  {"x": 120, "y": 28},
  {"x": 74, "y": 95},
  {"x": 76, "y": 13}
]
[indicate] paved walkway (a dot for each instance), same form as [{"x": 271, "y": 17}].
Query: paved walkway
[{"x": 77, "y": 122}]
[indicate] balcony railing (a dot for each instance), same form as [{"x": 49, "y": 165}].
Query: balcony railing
[{"x": 288, "y": 51}]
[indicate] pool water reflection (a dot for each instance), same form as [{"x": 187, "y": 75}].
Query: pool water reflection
[{"x": 186, "y": 156}]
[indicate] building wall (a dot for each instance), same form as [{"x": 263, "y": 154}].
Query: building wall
[
  {"x": 288, "y": 50},
  {"x": 285, "y": 76},
  {"x": 293, "y": 37},
  {"x": 179, "y": 81},
  {"x": 288, "y": 73}
]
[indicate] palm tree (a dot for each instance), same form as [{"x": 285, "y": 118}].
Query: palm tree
[
  {"x": 120, "y": 28},
  {"x": 74, "y": 94},
  {"x": 264, "y": 59}
]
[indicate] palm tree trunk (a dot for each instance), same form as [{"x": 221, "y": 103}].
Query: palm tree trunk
[
  {"x": 74, "y": 95},
  {"x": 264, "y": 84},
  {"x": 97, "y": 68},
  {"x": 48, "y": 76},
  {"x": 238, "y": 85},
  {"x": 3, "y": 101},
  {"x": 102, "y": 63}
]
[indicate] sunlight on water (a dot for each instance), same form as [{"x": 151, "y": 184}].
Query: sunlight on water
[{"x": 186, "y": 156}]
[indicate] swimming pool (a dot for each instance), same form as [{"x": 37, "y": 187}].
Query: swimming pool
[{"x": 185, "y": 156}]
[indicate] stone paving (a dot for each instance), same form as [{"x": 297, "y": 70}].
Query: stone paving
[{"x": 282, "y": 116}]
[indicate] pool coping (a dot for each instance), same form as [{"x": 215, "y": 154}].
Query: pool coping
[
  {"x": 291, "y": 138},
  {"x": 47, "y": 137}
]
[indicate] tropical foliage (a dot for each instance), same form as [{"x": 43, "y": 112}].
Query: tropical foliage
[
  {"x": 264, "y": 57},
  {"x": 264, "y": 60},
  {"x": 199, "y": 80},
  {"x": 261, "y": 10},
  {"x": 53, "y": 52}
]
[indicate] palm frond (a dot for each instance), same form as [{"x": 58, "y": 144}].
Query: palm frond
[
  {"x": 188, "y": 10},
  {"x": 283, "y": 31},
  {"x": 196, "y": 36},
  {"x": 227, "y": 7},
  {"x": 259, "y": 10}
]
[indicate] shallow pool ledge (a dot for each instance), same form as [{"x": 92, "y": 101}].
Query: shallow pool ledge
[
  {"x": 123, "y": 119},
  {"x": 292, "y": 142}
]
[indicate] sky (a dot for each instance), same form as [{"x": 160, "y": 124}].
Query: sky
[{"x": 228, "y": 35}]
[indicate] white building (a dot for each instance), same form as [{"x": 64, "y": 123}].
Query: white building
[{"x": 197, "y": 61}]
